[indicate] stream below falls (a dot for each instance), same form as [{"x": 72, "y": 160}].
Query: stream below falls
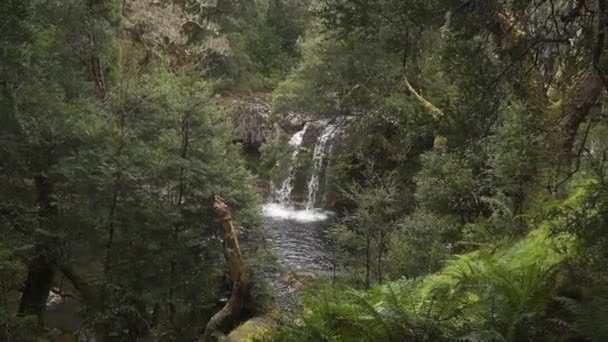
[{"x": 300, "y": 242}]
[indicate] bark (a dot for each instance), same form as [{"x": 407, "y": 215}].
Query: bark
[
  {"x": 84, "y": 288},
  {"x": 368, "y": 260},
  {"x": 100, "y": 81},
  {"x": 95, "y": 63},
  {"x": 110, "y": 243},
  {"x": 230, "y": 314},
  {"x": 384, "y": 234},
  {"x": 515, "y": 48},
  {"x": 43, "y": 267},
  {"x": 585, "y": 88},
  {"x": 584, "y": 93},
  {"x": 184, "y": 146},
  {"x": 40, "y": 276},
  {"x": 380, "y": 248}
]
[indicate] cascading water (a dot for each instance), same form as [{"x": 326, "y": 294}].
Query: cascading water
[
  {"x": 284, "y": 194},
  {"x": 281, "y": 206},
  {"x": 330, "y": 150},
  {"x": 319, "y": 155},
  {"x": 299, "y": 235}
]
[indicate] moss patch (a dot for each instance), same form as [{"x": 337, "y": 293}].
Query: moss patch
[{"x": 252, "y": 329}]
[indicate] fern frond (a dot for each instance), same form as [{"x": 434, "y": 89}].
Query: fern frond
[{"x": 483, "y": 336}]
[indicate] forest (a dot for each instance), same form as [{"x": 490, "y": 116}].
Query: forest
[{"x": 303, "y": 170}]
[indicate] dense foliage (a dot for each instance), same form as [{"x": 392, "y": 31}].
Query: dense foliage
[
  {"x": 472, "y": 174},
  {"x": 107, "y": 171},
  {"x": 470, "y": 178}
]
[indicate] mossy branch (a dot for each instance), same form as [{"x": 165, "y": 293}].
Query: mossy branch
[{"x": 436, "y": 112}]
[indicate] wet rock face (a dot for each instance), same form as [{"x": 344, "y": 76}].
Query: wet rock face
[
  {"x": 252, "y": 119},
  {"x": 255, "y": 127},
  {"x": 295, "y": 121},
  {"x": 315, "y": 128},
  {"x": 321, "y": 138}
]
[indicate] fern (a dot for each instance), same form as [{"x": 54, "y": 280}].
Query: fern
[{"x": 483, "y": 336}]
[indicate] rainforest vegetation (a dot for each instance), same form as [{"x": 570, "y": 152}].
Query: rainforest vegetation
[{"x": 453, "y": 152}]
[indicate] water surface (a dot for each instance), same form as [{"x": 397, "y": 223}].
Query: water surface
[{"x": 299, "y": 239}]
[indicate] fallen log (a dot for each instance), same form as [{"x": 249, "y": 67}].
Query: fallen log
[{"x": 230, "y": 314}]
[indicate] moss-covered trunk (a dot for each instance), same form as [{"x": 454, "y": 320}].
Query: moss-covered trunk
[{"x": 230, "y": 314}]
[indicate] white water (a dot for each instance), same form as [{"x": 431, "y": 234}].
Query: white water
[
  {"x": 330, "y": 150},
  {"x": 282, "y": 208},
  {"x": 318, "y": 158},
  {"x": 283, "y": 212},
  {"x": 284, "y": 194}
]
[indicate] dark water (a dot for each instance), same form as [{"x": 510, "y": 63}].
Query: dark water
[
  {"x": 300, "y": 242},
  {"x": 301, "y": 247}
]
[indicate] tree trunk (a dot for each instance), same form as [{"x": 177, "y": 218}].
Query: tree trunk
[
  {"x": 86, "y": 290},
  {"x": 184, "y": 146},
  {"x": 585, "y": 87},
  {"x": 230, "y": 314},
  {"x": 40, "y": 276},
  {"x": 368, "y": 260},
  {"x": 109, "y": 244},
  {"x": 380, "y": 250},
  {"x": 41, "y": 269},
  {"x": 98, "y": 76},
  {"x": 586, "y": 90}
]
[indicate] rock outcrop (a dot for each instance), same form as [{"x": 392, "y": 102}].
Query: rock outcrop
[{"x": 252, "y": 119}]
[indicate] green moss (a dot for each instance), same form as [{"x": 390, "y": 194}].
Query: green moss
[
  {"x": 252, "y": 330},
  {"x": 115, "y": 10}
]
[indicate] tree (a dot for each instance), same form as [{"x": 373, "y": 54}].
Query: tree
[
  {"x": 364, "y": 235},
  {"x": 107, "y": 174},
  {"x": 515, "y": 156},
  {"x": 420, "y": 244},
  {"x": 446, "y": 184},
  {"x": 45, "y": 110},
  {"x": 519, "y": 33}
]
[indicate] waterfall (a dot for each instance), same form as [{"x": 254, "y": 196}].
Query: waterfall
[
  {"x": 318, "y": 158},
  {"x": 284, "y": 194},
  {"x": 281, "y": 207},
  {"x": 330, "y": 150}
]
